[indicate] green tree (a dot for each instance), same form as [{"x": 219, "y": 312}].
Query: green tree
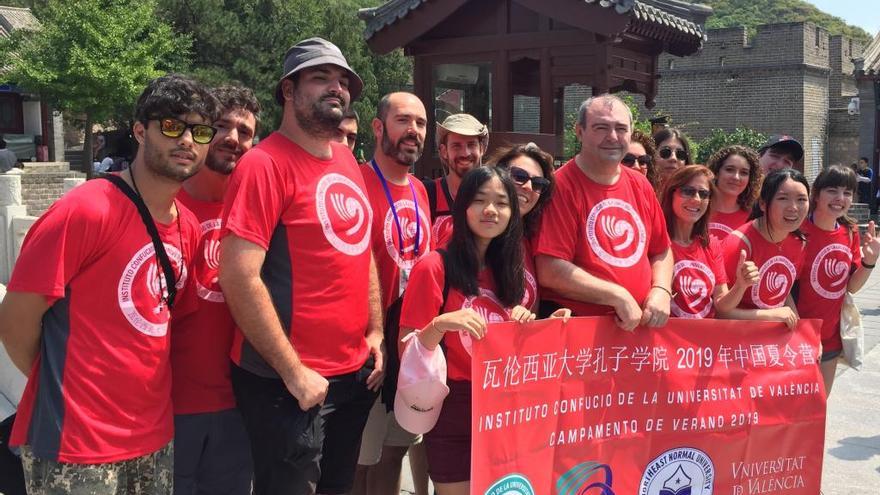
[
  {"x": 93, "y": 59},
  {"x": 720, "y": 138}
]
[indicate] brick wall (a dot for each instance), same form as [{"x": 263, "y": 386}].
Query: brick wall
[{"x": 42, "y": 186}]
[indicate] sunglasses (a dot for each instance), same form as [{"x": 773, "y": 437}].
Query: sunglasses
[
  {"x": 520, "y": 176},
  {"x": 666, "y": 152},
  {"x": 174, "y": 128},
  {"x": 692, "y": 192},
  {"x": 630, "y": 160}
]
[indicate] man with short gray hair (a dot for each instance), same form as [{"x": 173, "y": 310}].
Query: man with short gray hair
[{"x": 603, "y": 247}]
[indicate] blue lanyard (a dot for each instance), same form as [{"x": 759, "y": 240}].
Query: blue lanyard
[{"x": 394, "y": 211}]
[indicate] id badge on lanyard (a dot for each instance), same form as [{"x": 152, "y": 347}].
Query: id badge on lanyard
[{"x": 403, "y": 280}]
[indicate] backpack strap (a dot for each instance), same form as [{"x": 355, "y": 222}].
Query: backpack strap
[{"x": 431, "y": 189}]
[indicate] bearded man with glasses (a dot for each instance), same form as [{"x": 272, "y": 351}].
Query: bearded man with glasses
[{"x": 89, "y": 303}]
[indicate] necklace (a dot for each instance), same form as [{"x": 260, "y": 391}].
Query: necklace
[{"x": 163, "y": 289}]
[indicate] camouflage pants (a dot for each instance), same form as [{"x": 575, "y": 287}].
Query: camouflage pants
[{"x": 151, "y": 474}]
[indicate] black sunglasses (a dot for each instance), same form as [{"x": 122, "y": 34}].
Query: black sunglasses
[
  {"x": 520, "y": 176},
  {"x": 630, "y": 160},
  {"x": 692, "y": 192},
  {"x": 174, "y": 128},
  {"x": 666, "y": 152}
]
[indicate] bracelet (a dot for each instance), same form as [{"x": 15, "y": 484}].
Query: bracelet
[
  {"x": 664, "y": 289},
  {"x": 869, "y": 267}
]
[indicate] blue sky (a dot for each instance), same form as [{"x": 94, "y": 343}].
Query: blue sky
[{"x": 862, "y": 13}]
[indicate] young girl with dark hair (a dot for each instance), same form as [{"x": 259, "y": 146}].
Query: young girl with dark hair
[
  {"x": 699, "y": 282},
  {"x": 773, "y": 241},
  {"x": 833, "y": 262},
  {"x": 483, "y": 274},
  {"x": 737, "y": 183}
]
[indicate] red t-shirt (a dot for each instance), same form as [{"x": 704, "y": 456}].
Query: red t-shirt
[
  {"x": 313, "y": 218},
  {"x": 778, "y": 265},
  {"x": 442, "y": 229},
  {"x": 200, "y": 341},
  {"x": 390, "y": 258},
  {"x": 698, "y": 270},
  {"x": 722, "y": 224},
  {"x": 609, "y": 231},
  {"x": 100, "y": 389},
  {"x": 422, "y": 300},
  {"x": 829, "y": 260},
  {"x": 530, "y": 294}
]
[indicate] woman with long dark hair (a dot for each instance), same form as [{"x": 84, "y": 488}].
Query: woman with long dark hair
[
  {"x": 699, "y": 282},
  {"x": 833, "y": 262},
  {"x": 737, "y": 183},
  {"x": 774, "y": 242},
  {"x": 673, "y": 152},
  {"x": 449, "y": 302}
]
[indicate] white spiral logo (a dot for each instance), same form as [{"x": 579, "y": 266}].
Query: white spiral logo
[
  {"x": 348, "y": 209},
  {"x": 350, "y": 205},
  {"x": 836, "y": 269},
  {"x": 615, "y": 229},
  {"x": 776, "y": 283},
  {"x": 776, "y": 275},
  {"x": 833, "y": 261},
  {"x": 694, "y": 289},
  {"x": 212, "y": 254},
  {"x": 156, "y": 285},
  {"x": 693, "y": 284}
]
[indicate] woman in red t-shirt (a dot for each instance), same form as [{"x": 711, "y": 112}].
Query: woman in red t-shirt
[
  {"x": 737, "y": 181},
  {"x": 699, "y": 283},
  {"x": 484, "y": 275},
  {"x": 774, "y": 242},
  {"x": 833, "y": 262}
]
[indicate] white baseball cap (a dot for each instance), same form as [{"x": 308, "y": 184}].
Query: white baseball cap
[{"x": 421, "y": 386}]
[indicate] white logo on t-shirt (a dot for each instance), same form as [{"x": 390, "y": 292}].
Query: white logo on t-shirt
[
  {"x": 531, "y": 289},
  {"x": 207, "y": 283},
  {"x": 830, "y": 271},
  {"x": 776, "y": 276},
  {"x": 719, "y": 227},
  {"x": 616, "y": 224},
  {"x": 143, "y": 280},
  {"x": 406, "y": 211},
  {"x": 693, "y": 280},
  {"x": 487, "y": 306},
  {"x": 346, "y": 223}
]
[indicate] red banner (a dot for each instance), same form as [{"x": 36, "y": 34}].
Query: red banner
[{"x": 695, "y": 408}]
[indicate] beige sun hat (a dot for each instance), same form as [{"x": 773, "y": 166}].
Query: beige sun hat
[{"x": 464, "y": 124}]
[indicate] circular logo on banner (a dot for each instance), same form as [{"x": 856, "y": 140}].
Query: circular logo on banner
[
  {"x": 344, "y": 213},
  {"x": 693, "y": 282},
  {"x": 142, "y": 288},
  {"x": 719, "y": 230},
  {"x": 616, "y": 233},
  {"x": 406, "y": 214},
  {"x": 530, "y": 294},
  {"x": 830, "y": 271},
  {"x": 681, "y": 471},
  {"x": 486, "y": 305},
  {"x": 208, "y": 264},
  {"x": 511, "y": 484},
  {"x": 776, "y": 278}
]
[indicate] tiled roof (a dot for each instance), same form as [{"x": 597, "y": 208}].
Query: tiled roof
[
  {"x": 668, "y": 15},
  {"x": 871, "y": 56},
  {"x": 12, "y": 18}
]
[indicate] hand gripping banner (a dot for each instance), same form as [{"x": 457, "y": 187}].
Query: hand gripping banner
[{"x": 698, "y": 407}]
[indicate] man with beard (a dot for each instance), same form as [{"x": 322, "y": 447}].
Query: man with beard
[
  {"x": 401, "y": 234},
  {"x": 211, "y": 447},
  {"x": 87, "y": 311},
  {"x": 603, "y": 246},
  {"x": 462, "y": 140},
  {"x": 299, "y": 278}
]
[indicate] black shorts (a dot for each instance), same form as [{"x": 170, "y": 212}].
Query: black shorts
[
  {"x": 301, "y": 452},
  {"x": 448, "y": 444}
]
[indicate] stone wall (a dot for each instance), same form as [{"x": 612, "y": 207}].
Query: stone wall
[{"x": 43, "y": 183}]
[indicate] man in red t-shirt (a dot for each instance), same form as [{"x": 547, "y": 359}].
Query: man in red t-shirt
[
  {"x": 211, "y": 447},
  {"x": 603, "y": 246},
  {"x": 299, "y": 278},
  {"x": 401, "y": 235},
  {"x": 86, "y": 315},
  {"x": 461, "y": 141}
]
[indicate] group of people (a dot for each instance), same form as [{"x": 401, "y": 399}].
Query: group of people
[{"x": 225, "y": 318}]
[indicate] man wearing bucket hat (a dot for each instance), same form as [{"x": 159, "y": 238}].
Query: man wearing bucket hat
[
  {"x": 462, "y": 141},
  {"x": 307, "y": 356},
  {"x": 780, "y": 151}
]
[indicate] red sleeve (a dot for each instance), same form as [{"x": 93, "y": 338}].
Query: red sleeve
[
  {"x": 424, "y": 292},
  {"x": 716, "y": 261},
  {"x": 560, "y": 225},
  {"x": 730, "y": 249},
  {"x": 58, "y": 245},
  {"x": 254, "y": 199},
  {"x": 659, "y": 235}
]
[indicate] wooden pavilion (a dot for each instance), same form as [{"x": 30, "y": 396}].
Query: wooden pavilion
[{"x": 507, "y": 62}]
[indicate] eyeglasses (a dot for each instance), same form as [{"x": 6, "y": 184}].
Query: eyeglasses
[
  {"x": 692, "y": 192},
  {"x": 174, "y": 128},
  {"x": 630, "y": 160},
  {"x": 520, "y": 176},
  {"x": 680, "y": 154}
]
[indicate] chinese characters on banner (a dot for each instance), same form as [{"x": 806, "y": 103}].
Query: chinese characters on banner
[{"x": 695, "y": 408}]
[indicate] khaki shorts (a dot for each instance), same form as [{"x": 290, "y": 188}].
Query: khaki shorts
[{"x": 382, "y": 429}]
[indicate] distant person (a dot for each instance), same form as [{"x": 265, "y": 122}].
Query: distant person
[
  {"x": 780, "y": 151},
  {"x": 866, "y": 181},
  {"x": 7, "y": 157}
]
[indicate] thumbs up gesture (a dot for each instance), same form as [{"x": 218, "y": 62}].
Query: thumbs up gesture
[{"x": 747, "y": 273}]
